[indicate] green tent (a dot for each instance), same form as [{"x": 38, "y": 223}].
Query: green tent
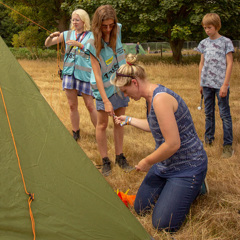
[
  {"x": 72, "y": 200},
  {"x": 131, "y": 48}
]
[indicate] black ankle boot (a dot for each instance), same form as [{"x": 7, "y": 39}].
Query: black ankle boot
[
  {"x": 106, "y": 168},
  {"x": 76, "y": 135},
  {"x": 122, "y": 162}
]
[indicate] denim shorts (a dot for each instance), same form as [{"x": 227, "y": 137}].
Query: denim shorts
[{"x": 118, "y": 100}]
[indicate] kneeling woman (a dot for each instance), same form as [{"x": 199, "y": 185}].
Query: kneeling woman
[{"x": 178, "y": 166}]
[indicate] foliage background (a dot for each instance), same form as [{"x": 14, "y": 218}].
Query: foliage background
[{"x": 174, "y": 21}]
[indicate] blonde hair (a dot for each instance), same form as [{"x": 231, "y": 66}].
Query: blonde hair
[
  {"x": 212, "y": 19},
  {"x": 84, "y": 17},
  {"x": 103, "y": 13},
  {"x": 128, "y": 71}
]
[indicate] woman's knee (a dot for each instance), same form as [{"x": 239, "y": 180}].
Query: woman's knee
[
  {"x": 168, "y": 224},
  {"x": 141, "y": 208},
  {"x": 102, "y": 126},
  {"x": 89, "y": 102},
  {"x": 90, "y": 106},
  {"x": 73, "y": 107},
  {"x": 137, "y": 207}
]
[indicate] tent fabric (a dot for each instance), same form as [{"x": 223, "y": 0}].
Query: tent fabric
[
  {"x": 72, "y": 199},
  {"x": 131, "y": 48}
]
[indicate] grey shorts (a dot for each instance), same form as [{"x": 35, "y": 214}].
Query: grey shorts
[{"x": 116, "y": 100}]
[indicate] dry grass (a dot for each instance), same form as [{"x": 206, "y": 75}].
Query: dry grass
[{"x": 212, "y": 217}]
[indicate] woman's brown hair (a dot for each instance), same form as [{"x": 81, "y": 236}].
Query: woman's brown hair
[{"x": 103, "y": 13}]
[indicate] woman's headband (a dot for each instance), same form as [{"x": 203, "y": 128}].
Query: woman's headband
[{"x": 123, "y": 75}]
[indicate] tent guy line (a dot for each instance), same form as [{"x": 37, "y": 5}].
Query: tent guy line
[{"x": 31, "y": 195}]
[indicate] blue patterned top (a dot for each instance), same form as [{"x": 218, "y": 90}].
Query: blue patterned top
[
  {"x": 191, "y": 157},
  {"x": 214, "y": 68}
]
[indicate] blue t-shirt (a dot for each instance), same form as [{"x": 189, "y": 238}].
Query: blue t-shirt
[
  {"x": 214, "y": 68},
  {"x": 191, "y": 157}
]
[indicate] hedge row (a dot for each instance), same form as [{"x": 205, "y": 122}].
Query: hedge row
[{"x": 24, "y": 53}]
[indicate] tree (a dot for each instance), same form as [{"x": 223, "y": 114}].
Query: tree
[
  {"x": 179, "y": 20},
  {"x": 7, "y": 26},
  {"x": 35, "y": 20},
  {"x": 174, "y": 21}
]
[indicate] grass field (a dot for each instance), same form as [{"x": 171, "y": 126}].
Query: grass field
[{"x": 215, "y": 216}]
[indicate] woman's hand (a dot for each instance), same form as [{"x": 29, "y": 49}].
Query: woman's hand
[
  {"x": 53, "y": 39},
  {"x": 55, "y": 34},
  {"x": 119, "y": 119},
  {"x": 109, "y": 108},
  {"x": 74, "y": 43},
  {"x": 143, "y": 166}
]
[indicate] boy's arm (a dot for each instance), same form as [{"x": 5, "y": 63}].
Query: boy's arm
[
  {"x": 224, "y": 88},
  {"x": 200, "y": 72}
]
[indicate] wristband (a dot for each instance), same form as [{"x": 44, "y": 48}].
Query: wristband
[
  {"x": 226, "y": 84},
  {"x": 126, "y": 122},
  {"x": 129, "y": 120}
]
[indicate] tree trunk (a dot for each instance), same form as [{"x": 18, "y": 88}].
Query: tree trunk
[
  {"x": 63, "y": 24},
  {"x": 176, "y": 46}
]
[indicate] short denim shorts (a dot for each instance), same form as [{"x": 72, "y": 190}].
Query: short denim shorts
[{"x": 118, "y": 100}]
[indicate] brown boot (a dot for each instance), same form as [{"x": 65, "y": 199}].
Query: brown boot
[
  {"x": 106, "y": 168},
  {"x": 123, "y": 163}
]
